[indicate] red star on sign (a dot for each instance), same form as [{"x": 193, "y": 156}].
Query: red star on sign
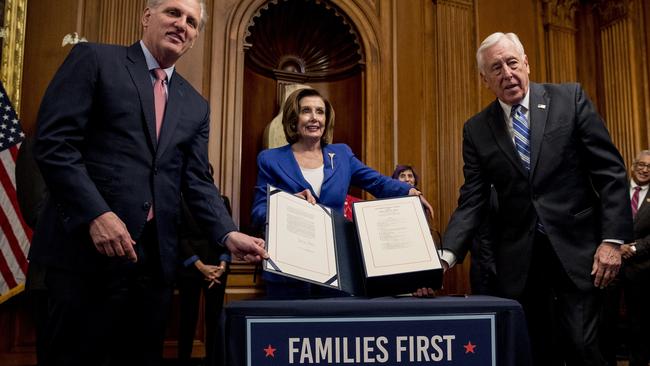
[
  {"x": 469, "y": 347},
  {"x": 270, "y": 351}
]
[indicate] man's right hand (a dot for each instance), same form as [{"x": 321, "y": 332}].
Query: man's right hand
[
  {"x": 111, "y": 238},
  {"x": 246, "y": 247}
]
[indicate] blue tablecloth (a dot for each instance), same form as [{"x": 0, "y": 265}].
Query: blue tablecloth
[{"x": 512, "y": 346}]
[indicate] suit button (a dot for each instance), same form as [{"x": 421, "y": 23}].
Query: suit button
[
  {"x": 155, "y": 170},
  {"x": 146, "y": 206}
]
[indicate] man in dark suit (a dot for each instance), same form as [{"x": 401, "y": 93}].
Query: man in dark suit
[
  {"x": 120, "y": 136},
  {"x": 636, "y": 265},
  {"x": 562, "y": 196}
]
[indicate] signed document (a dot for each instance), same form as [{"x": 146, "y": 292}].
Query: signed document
[
  {"x": 388, "y": 250},
  {"x": 300, "y": 239},
  {"x": 394, "y": 236}
]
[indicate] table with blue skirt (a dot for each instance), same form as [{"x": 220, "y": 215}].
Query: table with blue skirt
[{"x": 387, "y": 331}]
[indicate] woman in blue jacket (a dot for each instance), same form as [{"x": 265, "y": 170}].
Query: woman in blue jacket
[{"x": 316, "y": 170}]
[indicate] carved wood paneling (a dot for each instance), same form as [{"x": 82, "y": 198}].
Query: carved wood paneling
[
  {"x": 560, "y": 33},
  {"x": 623, "y": 84},
  {"x": 456, "y": 101},
  {"x": 111, "y": 21},
  {"x": 414, "y": 92}
]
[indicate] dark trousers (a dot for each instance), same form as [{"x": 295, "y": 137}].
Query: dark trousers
[
  {"x": 189, "y": 292},
  {"x": 113, "y": 317},
  {"x": 637, "y": 303},
  {"x": 563, "y": 320}
]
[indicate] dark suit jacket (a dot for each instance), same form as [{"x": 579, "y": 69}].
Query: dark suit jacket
[
  {"x": 637, "y": 268},
  {"x": 279, "y": 168},
  {"x": 96, "y": 147},
  {"x": 193, "y": 244},
  {"x": 576, "y": 187}
]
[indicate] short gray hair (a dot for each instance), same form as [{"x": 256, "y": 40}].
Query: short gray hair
[
  {"x": 493, "y": 39},
  {"x": 204, "y": 14},
  {"x": 641, "y": 153}
]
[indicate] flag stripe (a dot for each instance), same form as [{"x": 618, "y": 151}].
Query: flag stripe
[
  {"x": 5, "y": 224},
  {"x": 7, "y": 174},
  {"x": 7, "y": 274},
  {"x": 14, "y": 154},
  {"x": 15, "y": 235},
  {"x": 12, "y": 240}
]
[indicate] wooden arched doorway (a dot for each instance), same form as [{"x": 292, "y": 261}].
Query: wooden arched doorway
[{"x": 298, "y": 42}]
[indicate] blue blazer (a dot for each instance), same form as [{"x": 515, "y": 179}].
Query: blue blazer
[
  {"x": 97, "y": 149},
  {"x": 279, "y": 168}
]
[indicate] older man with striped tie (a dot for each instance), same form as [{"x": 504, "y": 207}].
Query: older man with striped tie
[{"x": 564, "y": 208}]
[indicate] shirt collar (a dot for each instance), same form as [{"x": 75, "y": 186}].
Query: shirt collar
[
  {"x": 507, "y": 109},
  {"x": 153, "y": 64},
  {"x": 633, "y": 185}
]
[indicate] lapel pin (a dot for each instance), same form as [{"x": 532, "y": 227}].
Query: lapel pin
[
  {"x": 331, "y": 159},
  {"x": 541, "y": 106}
]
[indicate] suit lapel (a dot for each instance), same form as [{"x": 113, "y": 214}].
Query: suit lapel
[
  {"x": 290, "y": 167},
  {"x": 497, "y": 124},
  {"x": 137, "y": 67},
  {"x": 175, "y": 95},
  {"x": 539, "y": 104},
  {"x": 329, "y": 163}
]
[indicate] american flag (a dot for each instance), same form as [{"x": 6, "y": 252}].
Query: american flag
[{"x": 15, "y": 235}]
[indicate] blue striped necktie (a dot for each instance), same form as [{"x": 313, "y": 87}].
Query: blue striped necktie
[{"x": 522, "y": 134}]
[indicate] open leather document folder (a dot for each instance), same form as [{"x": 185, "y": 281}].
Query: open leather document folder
[{"x": 387, "y": 250}]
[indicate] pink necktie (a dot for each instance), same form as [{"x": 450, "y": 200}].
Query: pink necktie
[
  {"x": 159, "y": 100},
  {"x": 635, "y": 200},
  {"x": 159, "y": 97}
]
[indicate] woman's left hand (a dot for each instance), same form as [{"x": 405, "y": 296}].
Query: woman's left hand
[{"x": 425, "y": 203}]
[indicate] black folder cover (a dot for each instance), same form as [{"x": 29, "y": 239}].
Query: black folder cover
[{"x": 351, "y": 272}]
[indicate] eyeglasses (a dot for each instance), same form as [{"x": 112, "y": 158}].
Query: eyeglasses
[{"x": 641, "y": 166}]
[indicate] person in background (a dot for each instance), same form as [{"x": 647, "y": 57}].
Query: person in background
[
  {"x": 563, "y": 202},
  {"x": 204, "y": 269},
  {"x": 636, "y": 265},
  {"x": 405, "y": 173},
  {"x": 120, "y": 135},
  {"x": 313, "y": 168}
]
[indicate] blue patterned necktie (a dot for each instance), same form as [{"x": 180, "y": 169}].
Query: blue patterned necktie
[{"x": 522, "y": 134}]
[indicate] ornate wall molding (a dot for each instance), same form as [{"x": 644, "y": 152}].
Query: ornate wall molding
[
  {"x": 560, "y": 13},
  {"x": 13, "y": 42},
  {"x": 275, "y": 49},
  {"x": 610, "y": 11},
  {"x": 464, "y": 4}
]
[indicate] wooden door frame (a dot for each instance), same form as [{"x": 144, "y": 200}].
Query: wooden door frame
[{"x": 227, "y": 81}]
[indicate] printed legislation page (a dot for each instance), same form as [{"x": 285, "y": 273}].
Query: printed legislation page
[
  {"x": 395, "y": 236},
  {"x": 300, "y": 239}
]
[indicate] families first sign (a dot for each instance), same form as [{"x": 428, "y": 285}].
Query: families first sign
[{"x": 459, "y": 340}]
